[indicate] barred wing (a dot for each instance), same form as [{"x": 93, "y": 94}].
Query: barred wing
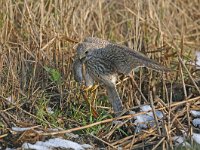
[{"x": 125, "y": 59}]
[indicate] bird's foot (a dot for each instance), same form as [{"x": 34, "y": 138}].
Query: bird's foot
[{"x": 91, "y": 88}]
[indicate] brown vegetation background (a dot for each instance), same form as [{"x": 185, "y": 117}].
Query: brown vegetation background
[{"x": 36, "y": 44}]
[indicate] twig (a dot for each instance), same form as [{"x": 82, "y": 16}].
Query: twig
[
  {"x": 104, "y": 141},
  {"x": 6, "y": 120},
  {"x": 189, "y": 74},
  {"x": 132, "y": 141},
  {"x": 155, "y": 147},
  {"x": 24, "y": 110},
  {"x": 48, "y": 44},
  {"x": 3, "y": 135},
  {"x": 113, "y": 119},
  {"x": 183, "y": 82},
  {"x": 94, "y": 112},
  {"x": 133, "y": 82},
  {"x": 169, "y": 111},
  {"x": 68, "y": 39},
  {"x": 154, "y": 113}
]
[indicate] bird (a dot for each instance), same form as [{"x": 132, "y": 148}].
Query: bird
[
  {"x": 104, "y": 61},
  {"x": 78, "y": 65}
]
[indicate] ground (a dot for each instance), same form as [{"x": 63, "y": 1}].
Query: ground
[{"x": 37, "y": 87}]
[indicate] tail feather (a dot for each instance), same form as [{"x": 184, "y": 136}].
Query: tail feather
[
  {"x": 156, "y": 66},
  {"x": 139, "y": 58}
]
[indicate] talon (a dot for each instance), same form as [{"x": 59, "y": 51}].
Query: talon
[
  {"x": 94, "y": 88},
  {"x": 90, "y": 88},
  {"x": 87, "y": 88}
]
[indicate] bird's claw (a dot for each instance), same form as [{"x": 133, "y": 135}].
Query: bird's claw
[{"x": 91, "y": 88}]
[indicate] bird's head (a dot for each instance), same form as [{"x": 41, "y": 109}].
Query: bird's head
[{"x": 84, "y": 49}]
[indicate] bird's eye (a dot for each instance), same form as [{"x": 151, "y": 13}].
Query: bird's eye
[{"x": 86, "y": 52}]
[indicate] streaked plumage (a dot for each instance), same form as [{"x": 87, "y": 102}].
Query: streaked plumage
[{"x": 104, "y": 61}]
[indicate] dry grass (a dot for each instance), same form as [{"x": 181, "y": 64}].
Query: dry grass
[{"x": 36, "y": 55}]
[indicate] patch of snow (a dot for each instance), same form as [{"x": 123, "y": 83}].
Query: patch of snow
[
  {"x": 131, "y": 112},
  {"x": 19, "y": 129},
  {"x": 86, "y": 146},
  {"x": 9, "y": 148},
  {"x": 144, "y": 119},
  {"x": 180, "y": 140},
  {"x": 196, "y": 122},
  {"x": 55, "y": 143},
  {"x": 196, "y": 137},
  {"x": 159, "y": 114},
  {"x": 10, "y": 100},
  {"x": 34, "y": 146},
  {"x": 49, "y": 110},
  {"x": 198, "y": 58},
  {"x": 141, "y": 122},
  {"x": 119, "y": 148},
  {"x": 145, "y": 108},
  {"x": 184, "y": 133},
  {"x": 195, "y": 113}
]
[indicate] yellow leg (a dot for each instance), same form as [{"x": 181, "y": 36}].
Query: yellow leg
[
  {"x": 92, "y": 88},
  {"x": 85, "y": 94}
]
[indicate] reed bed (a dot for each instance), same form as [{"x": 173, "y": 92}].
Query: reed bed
[{"x": 36, "y": 56}]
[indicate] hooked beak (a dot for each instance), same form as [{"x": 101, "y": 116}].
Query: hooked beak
[{"x": 82, "y": 58}]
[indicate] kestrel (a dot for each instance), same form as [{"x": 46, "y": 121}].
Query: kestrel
[{"x": 104, "y": 61}]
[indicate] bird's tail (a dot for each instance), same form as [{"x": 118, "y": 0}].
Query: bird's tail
[
  {"x": 155, "y": 66},
  {"x": 147, "y": 62}
]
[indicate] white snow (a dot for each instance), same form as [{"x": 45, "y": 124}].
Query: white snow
[
  {"x": 145, "y": 108},
  {"x": 49, "y": 110},
  {"x": 195, "y": 113},
  {"x": 141, "y": 122},
  {"x": 196, "y": 122},
  {"x": 34, "y": 146},
  {"x": 144, "y": 119},
  {"x": 198, "y": 58},
  {"x": 55, "y": 143},
  {"x": 19, "y": 129},
  {"x": 196, "y": 137},
  {"x": 131, "y": 112},
  {"x": 10, "y": 100},
  {"x": 180, "y": 140}
]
